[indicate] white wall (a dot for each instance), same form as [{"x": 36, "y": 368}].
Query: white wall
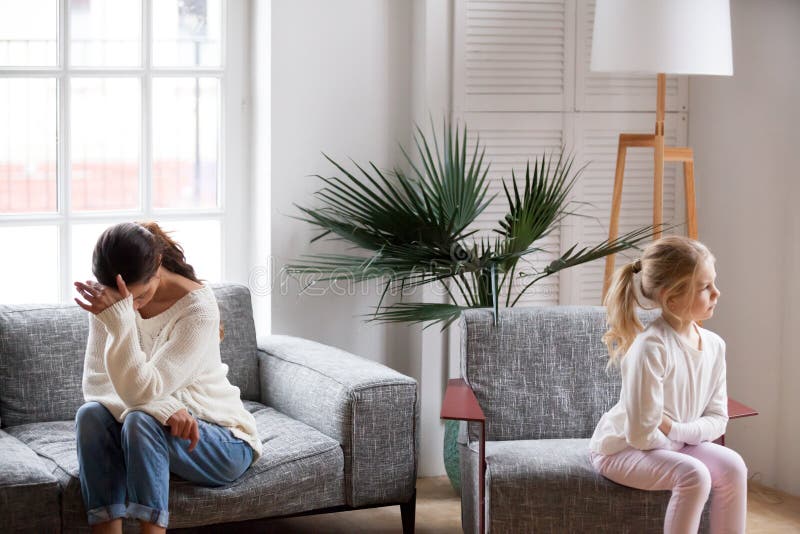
[
  {"x": 743, "y": 130},
  {"x": 341, "y": 83}
]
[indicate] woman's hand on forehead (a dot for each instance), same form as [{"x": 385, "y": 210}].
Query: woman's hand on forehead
[{"x": 100, "y": 297}]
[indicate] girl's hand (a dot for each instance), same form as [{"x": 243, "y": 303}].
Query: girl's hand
[
  {"x": 100, "y": 297},
  {"x": 666, "y": 425},
  {"x": 184, "y": 426}
]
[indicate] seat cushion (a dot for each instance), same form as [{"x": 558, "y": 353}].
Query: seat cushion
[
  {"x": 28, "y": 491},
  {"x": 301, "y": 469},
  {"x": 551, "y": 486}
]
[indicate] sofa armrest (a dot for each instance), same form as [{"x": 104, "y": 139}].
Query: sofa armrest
[{"x": 371, "y": 410}]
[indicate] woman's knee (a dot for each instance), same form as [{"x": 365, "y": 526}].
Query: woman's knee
[
  {"x": 138, "y": 425},
  {"x": 92, "y": 415}
]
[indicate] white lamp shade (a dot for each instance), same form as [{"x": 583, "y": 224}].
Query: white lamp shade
[{"x": 669, "y": 36}]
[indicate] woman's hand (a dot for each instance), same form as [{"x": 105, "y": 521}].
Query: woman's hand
[
  {"x": 184, "y": 426},
  {"x": 100, "y": 297},
  {"x": 666, "y": 425}
]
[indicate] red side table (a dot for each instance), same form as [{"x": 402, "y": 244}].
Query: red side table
[{"x": 736, "y": 410}]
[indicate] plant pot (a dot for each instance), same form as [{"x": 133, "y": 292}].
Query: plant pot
[{"x": 451, "y": 455}]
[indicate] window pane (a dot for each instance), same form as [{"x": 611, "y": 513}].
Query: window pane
[
  {"x": 84, "y": 237},
  {"x": 28, "y": 33},
  {"x": 104, "y": 145},
  {"x": 105, "y": 33},
  {"x": 186, "y": 33},
  {"x": 185, "y": 142},
  {"x": 28, "y": 156},
  {"x": 32, "y": 277},
  {"x": 202, "y": 246}
]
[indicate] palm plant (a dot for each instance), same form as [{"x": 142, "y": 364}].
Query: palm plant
[{"x": 414, "y": 228}]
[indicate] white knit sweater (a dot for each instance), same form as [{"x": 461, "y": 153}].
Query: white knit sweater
[
  {"x": 164, "y": 363},
  {"x": 663, "y": 374}
]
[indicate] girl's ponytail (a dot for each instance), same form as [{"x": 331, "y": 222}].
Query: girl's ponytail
[{"x": 621, "y": 302}]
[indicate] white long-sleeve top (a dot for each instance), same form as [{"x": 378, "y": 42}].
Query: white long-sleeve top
[
  {"x": 164, "y": 363},
  {"x": 662, "y": 374}
]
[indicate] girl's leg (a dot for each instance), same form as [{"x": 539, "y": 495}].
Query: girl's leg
[
  {"x": 102, "y": 466},
  {"x": 660, "y": 469},
  {"x": 728, "y": 486}
]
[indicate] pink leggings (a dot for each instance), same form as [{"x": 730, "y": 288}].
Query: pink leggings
[{"x": 691, "y": 473}]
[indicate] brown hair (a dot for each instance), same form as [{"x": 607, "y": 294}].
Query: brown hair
[
  {"x": 132, "y": 249},
  {"x": 668, "y": 270}
]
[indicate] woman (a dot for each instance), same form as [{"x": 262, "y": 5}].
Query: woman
[{"x": 153, "y": 380}]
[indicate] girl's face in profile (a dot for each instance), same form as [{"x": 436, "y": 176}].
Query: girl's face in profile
[{"x": 700, "y": 303}]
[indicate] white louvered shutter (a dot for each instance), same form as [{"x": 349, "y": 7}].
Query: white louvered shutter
[
  {"x": 510, "y": 141},
  {"x": 513, "y": 55},
  {"x": 597, "y": 136},
  {"x": 618, "y": 92},
  {"x": 526, "y": 65}
]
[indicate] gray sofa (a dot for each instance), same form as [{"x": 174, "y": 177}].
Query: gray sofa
[
  {"x": 339, "y": 432},
  {"x": 540, "y": 379}
]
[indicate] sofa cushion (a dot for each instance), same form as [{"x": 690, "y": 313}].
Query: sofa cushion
[
  {"x": 28, "y": 491},
  {"x": 301, "y": 469},
  {"x": 238, "y": 348},
  {"x": 42, "y": 349},
  {"x": 540, "y": 373},
  {"x": 551, "y": 486},
  {"x": 41, "y": 362}
]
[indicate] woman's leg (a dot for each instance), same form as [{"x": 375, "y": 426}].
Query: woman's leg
[
  {"x": 218, "y": 459},
  {"x": 102, "y": 466},
  {"x": 660, "y": 469},
  {"x": 151, "y": 452},
  {"x": 728, "y": 486},
  {"x": 144, "y": 444}
]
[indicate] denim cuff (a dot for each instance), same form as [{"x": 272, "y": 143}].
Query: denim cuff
[
  {"x": 106, "y": 513},
  {"x": 150, "y": 515}
]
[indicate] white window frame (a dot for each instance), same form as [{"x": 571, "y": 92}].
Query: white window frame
[{"x": 233, "y": 182}]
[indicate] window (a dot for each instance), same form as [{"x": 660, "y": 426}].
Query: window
[{"x": 114, "y": 110}]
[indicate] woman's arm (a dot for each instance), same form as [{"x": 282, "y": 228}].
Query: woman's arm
[
  {"x": 97, "y": 384},
  {"x": 139, "y": 381},
  {"x": 642, "y": 381}
]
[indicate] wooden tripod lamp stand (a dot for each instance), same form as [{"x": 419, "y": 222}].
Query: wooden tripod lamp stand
[{"x": 659, "y": 37}]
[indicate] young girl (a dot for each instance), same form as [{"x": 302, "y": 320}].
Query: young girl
[
  {"x": 158, "y": 397},
  {"x": 673, "y": 401}
]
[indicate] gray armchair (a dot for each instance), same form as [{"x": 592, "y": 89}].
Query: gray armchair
[
  {"x": 338, "y": 431},
  {"x": 539, "y": 379}
]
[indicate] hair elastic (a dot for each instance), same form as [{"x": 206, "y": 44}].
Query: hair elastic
[{"x": 637, "y": 265}]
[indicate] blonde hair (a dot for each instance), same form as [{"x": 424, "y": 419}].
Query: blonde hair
[{"x": 668, "y": 270}]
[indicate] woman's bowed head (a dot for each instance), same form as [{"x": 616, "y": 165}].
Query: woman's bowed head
[{"x": 137, "y": 259}]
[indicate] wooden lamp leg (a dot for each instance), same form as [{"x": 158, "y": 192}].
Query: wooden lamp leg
[
  {"x": 691, "y": 215},
  {"x": 616, "y": 202}
]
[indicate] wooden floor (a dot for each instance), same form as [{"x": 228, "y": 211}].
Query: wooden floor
[{"x": 439, "y": 510}]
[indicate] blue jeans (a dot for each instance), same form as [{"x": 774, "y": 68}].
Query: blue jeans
[{"x": 133, "y": 459}]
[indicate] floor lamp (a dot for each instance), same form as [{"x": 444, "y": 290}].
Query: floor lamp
[{"x": 659, "y": 37}]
